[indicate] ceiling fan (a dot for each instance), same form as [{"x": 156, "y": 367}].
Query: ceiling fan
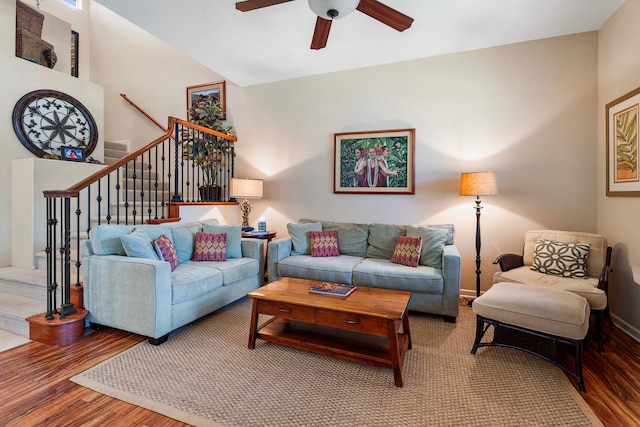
[{"x": 329, "y": 10}]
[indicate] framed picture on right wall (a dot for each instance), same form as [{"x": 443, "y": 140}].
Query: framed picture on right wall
[{"x": 622, "y": 146}]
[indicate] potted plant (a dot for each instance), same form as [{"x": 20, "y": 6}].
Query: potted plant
[{"x": 207, "y": 151}]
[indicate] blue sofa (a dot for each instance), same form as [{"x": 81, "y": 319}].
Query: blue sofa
[
  {"x": 142, "y": 295},
  {"x": 365, "y": 260}
]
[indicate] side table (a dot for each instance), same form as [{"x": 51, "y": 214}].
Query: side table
[{"x": 268, "y": 236}]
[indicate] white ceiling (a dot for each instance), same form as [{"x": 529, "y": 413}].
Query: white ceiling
[{"x": 272, "y": 43}]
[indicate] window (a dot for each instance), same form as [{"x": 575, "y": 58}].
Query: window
[{"x": 75, "y": 3}]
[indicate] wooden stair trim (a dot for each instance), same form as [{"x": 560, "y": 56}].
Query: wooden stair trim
[{"x": 57, "y": 331}]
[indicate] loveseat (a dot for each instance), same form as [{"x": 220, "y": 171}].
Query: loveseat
[
  {"x": 128, "y": 286},
  {"x": 364, "y": 259}
]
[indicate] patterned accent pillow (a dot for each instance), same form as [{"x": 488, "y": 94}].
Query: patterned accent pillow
[
  {"x": 166, "y": 250},
  {"x": 324, "y": 243},
  {"x": 560, "y": 258},
  {"x": 407, "y": 251},
  {"x": 210, "y": 247}
]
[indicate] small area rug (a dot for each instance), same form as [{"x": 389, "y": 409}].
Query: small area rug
[{"x": 205, "y": 375}]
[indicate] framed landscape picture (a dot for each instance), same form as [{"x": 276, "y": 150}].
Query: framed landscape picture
[
  {"x": 374, "y": 162},
  {"x": 215, "y": 92},
  {"x": 622, "y": 146}
]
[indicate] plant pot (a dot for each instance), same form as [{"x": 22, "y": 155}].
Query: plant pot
[{"x": 210, "y": 193}]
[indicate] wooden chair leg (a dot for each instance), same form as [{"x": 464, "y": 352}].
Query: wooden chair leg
[{"x": 599, "y": 326}]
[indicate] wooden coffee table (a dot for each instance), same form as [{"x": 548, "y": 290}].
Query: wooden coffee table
[{"x": 364, "y": 327}]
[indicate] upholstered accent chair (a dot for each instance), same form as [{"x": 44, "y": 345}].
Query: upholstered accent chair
[{"x": 572, "y": 261}]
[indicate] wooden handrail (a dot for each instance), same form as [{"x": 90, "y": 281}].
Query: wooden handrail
[
  {"x": 144, "y": 113},
  {"x": 74, "y": 190}
]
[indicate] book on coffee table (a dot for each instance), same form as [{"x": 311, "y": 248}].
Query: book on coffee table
[{"x": 334, "y": 289}]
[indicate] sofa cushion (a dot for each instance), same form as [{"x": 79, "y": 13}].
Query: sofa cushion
[
  {"x": 234, "y": 269},
  {"x": 184, "y": 240},
  {"x": 352, "y": 238},
  {"x": 407, "y": 251},
  {"x": 332, "y": 269},
  {"x": 138, "y": 244},
  {"x": 192, "y": 280},
  {"x": 382, "y": 273},
  {"x": 597, "y": 250},
  {"x": 560, "y": 258},
  {"x": 105, "y": 239},
  {"x": 382, "y": 240},
  {"x": 587, "y": 288},
  {"x": 450, "y": 231},
  {"x": 324, "y": 243},
  {"x": 210, "y": 247},
  {"x": 166, "y": 251},
  {"x": 300, "y": 236},
  {"x": 433, "y": 241},
  {"x": 234, "y": 237}
]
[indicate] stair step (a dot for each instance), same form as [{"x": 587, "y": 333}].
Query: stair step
[
  {"x": 114, "y": 145},
  {"x": 14, "y": 309},
  {"x": 117, "y": 154}
]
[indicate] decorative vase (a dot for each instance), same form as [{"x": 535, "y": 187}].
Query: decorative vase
[{"x": 210, "y": 193}]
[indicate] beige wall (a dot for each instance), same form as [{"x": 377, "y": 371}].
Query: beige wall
[
  {"x": 20, "y": 77},
  {"x": 526, "y": 111},
  {"x": 618, "y": 74}
]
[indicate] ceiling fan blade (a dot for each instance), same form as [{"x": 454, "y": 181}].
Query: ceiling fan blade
[
  {"x": 248, "y": 5},
  {"x": 385, "y": 14},
  {"x": 321, "y": 33}
]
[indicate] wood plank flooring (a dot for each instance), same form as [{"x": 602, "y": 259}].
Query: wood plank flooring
[{"x": 35, "y": 389}]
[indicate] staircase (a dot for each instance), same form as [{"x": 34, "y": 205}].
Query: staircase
[{"x": 23, "y": 291}]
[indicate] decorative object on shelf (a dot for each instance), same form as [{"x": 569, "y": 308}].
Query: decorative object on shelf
[
  {"x": 29, "y": 43},
  {"x": 330, "y": 10},
  {"x": 623, "y": 179},
  {"x": 207, "y": 151},
  {"x": 478, "y": 184},
  {"x": 214, "y": 93},
  {"x": 247, "y": 189},
  {"x": 74, "y": 154},
  {"x": 379, "y": 162},
  {"x": 46, "y": 120},
  {"x": 262, "y": 224},
  {"x": 75, "y": 50}
]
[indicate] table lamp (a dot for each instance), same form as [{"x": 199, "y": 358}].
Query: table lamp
[{"x": 247, "y": 189}]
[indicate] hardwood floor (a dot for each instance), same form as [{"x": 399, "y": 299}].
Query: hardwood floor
[{"x": 35, "y": 389}]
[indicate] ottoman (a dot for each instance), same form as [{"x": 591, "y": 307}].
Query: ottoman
[{"x": 533, "y": 319}]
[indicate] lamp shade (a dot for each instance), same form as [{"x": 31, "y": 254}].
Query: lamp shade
[
  {"x": 246, "y": 188},
  {"x": 478, "y": 184},
  {"x": 333, "y": 9}
]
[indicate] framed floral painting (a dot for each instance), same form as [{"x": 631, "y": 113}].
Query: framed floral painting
[
  {"x": 374, "y": 162},
  {"x": 622, "y": 146}
]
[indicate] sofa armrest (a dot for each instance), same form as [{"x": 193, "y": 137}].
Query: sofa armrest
[
  {"x": 451, "y": 279},
  {"x": 132, "y": 294},
  {"x": 277, "y": 250},
  {"x": 253, "y": 248},
  {"x": 509, "y": 261}
]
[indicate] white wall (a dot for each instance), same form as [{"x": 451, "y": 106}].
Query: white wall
[
  {"x": 618, "y": 74},
  {"x": 18, "y": 78}
]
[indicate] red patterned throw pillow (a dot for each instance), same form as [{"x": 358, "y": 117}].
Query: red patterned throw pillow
[
  {"x": 210, "y": 247},
  {"x": 407, "y": 251},
  {"x": 324, "y": 243},
  {"x": 166, "y": 250}
]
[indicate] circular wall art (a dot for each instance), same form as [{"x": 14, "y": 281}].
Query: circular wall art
[{"x": 45, "y": 120}]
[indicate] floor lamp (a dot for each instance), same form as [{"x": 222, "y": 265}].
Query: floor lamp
[
  {"x": 478, "y": 184},
  {"x": 247, "y": 189}
]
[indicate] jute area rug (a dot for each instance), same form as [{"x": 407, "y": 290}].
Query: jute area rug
[{"x": 205, "y": 375}]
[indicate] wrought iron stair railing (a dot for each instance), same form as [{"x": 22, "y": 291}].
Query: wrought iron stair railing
[{"x": 181, "y": 166}]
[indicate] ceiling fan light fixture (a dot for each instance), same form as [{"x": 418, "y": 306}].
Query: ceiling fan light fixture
[{"x": 333, "y": 9}]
